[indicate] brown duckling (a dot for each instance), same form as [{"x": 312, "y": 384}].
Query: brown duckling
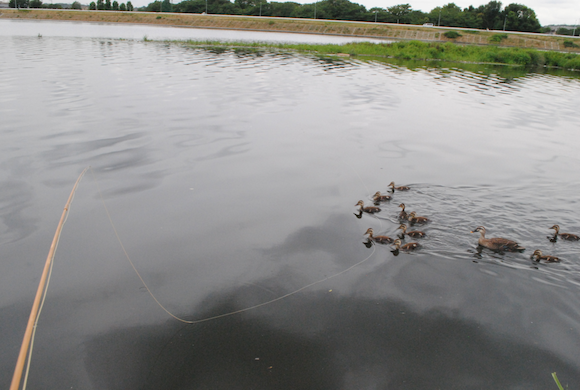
[
  {"x": 400, "y": 188},
  {"x": 413, "y": 218},
  {"x": 565, "y": 236},
  {"x": 379, "y": 239},
  {"x": 378, "y": 197},
  {"x": 403, "y": 213},
  {"x": 414, "y": 233},
  {"x": 497, "y": 244},
  {"x": 369, "y": 209},
  {"x": 548, "y": 259},
  {"x": 407, "y": 247}
]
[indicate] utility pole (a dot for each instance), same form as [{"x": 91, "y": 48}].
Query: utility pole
[
  {"x": 504, "y": 21},
  {"x": 376, "y": 12},
  {"x": 439, "y": 22}
]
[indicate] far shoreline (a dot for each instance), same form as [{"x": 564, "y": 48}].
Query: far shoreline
[{"x": 385, "y": 31}]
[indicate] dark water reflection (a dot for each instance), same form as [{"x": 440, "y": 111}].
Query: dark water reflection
[{"x": 232, "y": 175}]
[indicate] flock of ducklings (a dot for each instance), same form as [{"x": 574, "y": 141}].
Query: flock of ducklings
[{"x": 496, "y": 244}]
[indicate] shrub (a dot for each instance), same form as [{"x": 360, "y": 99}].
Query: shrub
[
  {"x": 570, "y": 44},
  {"x": 452, "y": 34},
  {"x": 497, "y": 38}
]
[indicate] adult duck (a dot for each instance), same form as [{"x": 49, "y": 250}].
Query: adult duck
[
  {"x": 378, "y": 239},
  {"x": 413, "y": 233},
  {"x": 369, "y": 209},
  {"x": 378, "y": 197},
  {"x": 400, "y": 188},
  {"x": 565, "y": 236},
  {"x": 497, "y": 244},
  {"x": 413, "y": 218},
  {"x": 540, "y": 257},
  {"x": 407, "y": 247}
]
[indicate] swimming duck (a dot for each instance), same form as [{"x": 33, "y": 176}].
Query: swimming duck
[
  {"x": 407, "y": 247},
  {"x": 403, "y": 213},
  {"x": 414, "y": 219},
  {"x": 414, "y": 233},
  {"x": 369, "y": 209},
  {"x": 400, "y": 188},
  {"x": 378, "y": 197},
  {"x": 379, "y": 239},
  {"x": 548, "y": 259},
  {"x": 565, "y": 236},
  {"x": 498, "y": 244}
]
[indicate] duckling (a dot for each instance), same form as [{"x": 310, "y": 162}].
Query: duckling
[
  {"x": 548, "y": 259},
  {"x": 414, "y": 233},
  {"x": 414, "y": 219},
  {"x": 400, "y": 188},
  {"x": 565, "y": 236},
  {"x": 379, "y": 239},
  {"x": 497, "y": 244},
  {"x": 369, "y": 209},
  {"x": 403, "y": 213},
  {"x": 407, "y": 247},
  {"x": 377, "y": 197}
]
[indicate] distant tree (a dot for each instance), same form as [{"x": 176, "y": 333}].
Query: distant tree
[
  {"x": 76, "y": 5},
  {"x": 518, "y": 17},
  {"x": 129, "y": 6},
  {"x": 35, "y": 4},
  {"x": 285, "y": 9},
  {"x": 100, "y": 5},
  {"x": 122, "y": 7},
  {"x": 108, "y": 5},
  {"x": 18, "y": 4},
  {"x": 115, "y": 6},
  {"x": 93, "y": 6},
  {"x": 399, "y": 11},
  {"x": 165, "y": 6},
  {"x": 152, "y": 7},
  {"x": 491, "y": 17},
  {"x": 564, "y": 31}
]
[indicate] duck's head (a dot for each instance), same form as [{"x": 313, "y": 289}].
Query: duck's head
[
  {"x": 377, "y": 194},
  {"x": 360, "y": 203},
  {"x": 397, "y": 243},
  {"x": 402, "y": 227},
  {"x": 538, "y": 253},
  {"x": 556, "y": 228},
  {"x": 412, "y": 215},
  {"x": 392, "y": 184},
  {"x": 402, "y": 205},
  {"x": 369, "y": 231},
  {"x": 480, "y": 229}
]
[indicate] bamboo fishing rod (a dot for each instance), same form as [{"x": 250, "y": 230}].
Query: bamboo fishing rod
[{"x": 34, "y": 312}]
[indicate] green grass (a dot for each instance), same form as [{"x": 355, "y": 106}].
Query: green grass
[
  {"x": 416, "y": 50},
  {"x": 557, "y": 381}
]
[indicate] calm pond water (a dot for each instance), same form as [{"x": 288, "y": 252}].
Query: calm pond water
[{"x": 231, "y": 177}]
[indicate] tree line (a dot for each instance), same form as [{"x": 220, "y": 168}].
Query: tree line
[
  {"x": 106, "y": 5},
  {"x": 514, "y": 17}
]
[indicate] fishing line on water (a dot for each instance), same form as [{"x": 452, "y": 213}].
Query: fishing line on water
[{"x": 220, "y": 315}]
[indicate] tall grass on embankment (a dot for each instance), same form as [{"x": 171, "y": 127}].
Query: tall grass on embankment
[{"x": 416, "y": 50}]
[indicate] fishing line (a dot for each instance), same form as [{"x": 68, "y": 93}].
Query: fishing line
[{"x": 220, "y": 315}]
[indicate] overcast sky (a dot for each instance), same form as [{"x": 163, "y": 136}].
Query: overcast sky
[{"x": 547, "y": 11}]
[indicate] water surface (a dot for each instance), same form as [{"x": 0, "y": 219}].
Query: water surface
[{"x": 231, "y": 177}]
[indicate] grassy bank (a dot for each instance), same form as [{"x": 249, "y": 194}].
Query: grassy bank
[
  {"x": 412, "y": 42},
  {"x": 416, "y": 50}
]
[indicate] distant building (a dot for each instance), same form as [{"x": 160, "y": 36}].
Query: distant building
[{"x": 3, "y": 4}]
